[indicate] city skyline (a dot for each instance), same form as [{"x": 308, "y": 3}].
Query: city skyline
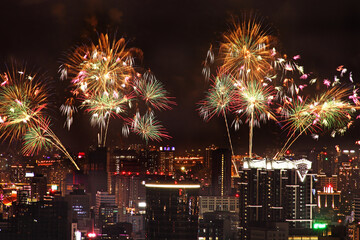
[{"x": 175, "y": 39}]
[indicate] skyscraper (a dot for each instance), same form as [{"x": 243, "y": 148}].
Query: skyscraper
[
  {"x": 166, "y": 159},
  {"x": 172, "y": 211},
  {"x": 275, "y": 191},
  {"x": 208, "y": 155},
  {"x": 104, "y": 202},
  {"x": 98, "y": 161},
  {"x": 79, "y": 208},
  {"x": 221, "y": 172}
]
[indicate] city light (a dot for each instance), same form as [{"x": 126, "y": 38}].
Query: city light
[
  {"x": 91, "y": 235},
  {"x": 320, "y": 225},
  {"x": 172, "y": 185}
]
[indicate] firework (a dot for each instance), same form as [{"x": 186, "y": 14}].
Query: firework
[
  {"x": 102, "y": 106},
  {"x": 22, "y": 100},
  {"x": 68, "y": 109},
  {"x": 37, "y": 138},
  {"x": 152, "y": 92},
  {"x": 219, "y": 97},
  {"x": 148, "y": 128},
  {"x": 99, "y": 67},
  {"x": 253, "y": 102},
  {"x": 247, "y": 51},
  {"x": 218, "y": 101},
  {"x": 329, "y": 111},
  {"x": 106, "y": 84}
]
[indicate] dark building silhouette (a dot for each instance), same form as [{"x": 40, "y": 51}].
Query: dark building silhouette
[
  {"x": 208, "y": 155},
  {"x": 79, "y": 208},
  {"x": 39, "y": 220},
  {"x": 118, "y": 231},
  {"x": 124, "y": 160},
  {"x": 172, "y": 211},
  {"x": 218, "y": 225},
  {"x": 38, "y": 187},
  {"x": 98, "y": 174},
  {"x": 221, "y": 172},
  {"x": 149, "y": 160}
]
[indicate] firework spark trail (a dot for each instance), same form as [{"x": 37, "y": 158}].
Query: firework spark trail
[
  {"x": 40, "y": 136},
  {"x": 218, "y": 102},
  {"x": 22, "y": 101},
  {"x": 231, "y": 146}
]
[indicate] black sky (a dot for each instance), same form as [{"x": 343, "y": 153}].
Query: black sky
[{"x": 175, "y": 36}]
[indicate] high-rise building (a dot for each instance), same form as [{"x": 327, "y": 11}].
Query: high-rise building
[
  {"x": 98, "y": 171},
  {"x": 325, "y": 181},
  {"x": 124, "y": 160},
  {"x": 218, "y": 225},
  {"x": 108, "y": 216},
  {"x": 171, "y": 211},
  {"x": 105, "y": 203},
  {"x": 79, "y": 209},
  {"x": 129, "y": 194},
  {"x": 218, "y": 203},
  {"x": 149, "y": 159},
  {"x": 329, "y": 198},
  {"x": 208, "y": 155},
  {"x": 348, "y": 183},
  {"x": 166, "y": 159},
  {"x": 38, "y": 187},
  {"x": 275, "y": 191},
  {"x": 138, "y": 225},
  {"x": 37, "y": 220},
  {"x": 325, "y": 163},
  {"x": 221, "y": 172},
  {"x": 356, "y": 207}
]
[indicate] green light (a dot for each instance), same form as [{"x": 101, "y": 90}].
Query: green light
[{"x": 320, "y": 225}]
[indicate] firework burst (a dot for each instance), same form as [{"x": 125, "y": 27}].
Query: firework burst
[
  {"x": 254, "y": 99},
  {"x": 329, "y": 111},
  {"x": 148, "y": 128},
  {"x": 37, "y": 138},
  {"x": 253, "y": 102},
  {"x": 101, "y": 107},
  {"x": 218, "y": 101},
  {"x": 99, "y": 67},
  {"x": 152, "y": 92},
  {"x": 22, "y": 100},
  {"x": 219, "y": 97},
  {"x": 246, "y": 51},
  {"x": 106, "y": 84}
]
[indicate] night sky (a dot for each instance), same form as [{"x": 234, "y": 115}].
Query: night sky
[{"x": 175, "y": 36}]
